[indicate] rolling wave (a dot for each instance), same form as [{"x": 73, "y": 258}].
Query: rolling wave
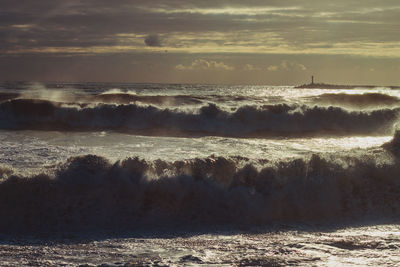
[
  {"x": 366, "y": 100},
  {"x": 107, "y": 98},
  {"x": 8, "y": 96},
  {"x": 88, "y": 193},
  {"x": 247, "y": 121},
  {"x": 126, "y": 98}
]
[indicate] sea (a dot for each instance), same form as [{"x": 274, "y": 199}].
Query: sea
[{"x": 128, "y": 174}]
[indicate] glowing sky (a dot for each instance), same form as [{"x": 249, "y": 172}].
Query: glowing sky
[{"x": 207, "y": 41}]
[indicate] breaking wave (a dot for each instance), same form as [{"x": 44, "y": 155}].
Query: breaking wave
[
  {"x": 246, "y": 121},
  {"x": 88, "y": 193}
]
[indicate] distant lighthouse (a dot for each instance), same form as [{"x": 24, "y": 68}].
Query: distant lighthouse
[{"x": 312, "y": 79}]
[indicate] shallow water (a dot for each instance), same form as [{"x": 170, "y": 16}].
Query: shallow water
[{"x": 352, "y": 246}]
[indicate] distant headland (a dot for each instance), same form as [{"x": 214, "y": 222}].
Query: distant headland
[{"x": 337, "y": 86}]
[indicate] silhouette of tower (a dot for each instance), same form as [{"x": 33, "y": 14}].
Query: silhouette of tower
[{"x": 312, "y": 79}]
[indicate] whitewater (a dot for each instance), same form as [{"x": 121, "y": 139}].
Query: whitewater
[{"x": 119, "y": 174}]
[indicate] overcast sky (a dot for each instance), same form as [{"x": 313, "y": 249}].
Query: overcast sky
[{"x": 202, "y": 41}]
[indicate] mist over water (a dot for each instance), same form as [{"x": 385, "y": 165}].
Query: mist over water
[{"x": 126, "y": 159}]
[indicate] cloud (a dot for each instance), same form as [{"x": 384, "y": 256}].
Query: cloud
[
  {"x": 287, "y": 66},
  {"x": 153, "y": 40},
  {"x": 273, "y": 68},
  {"x": 190, "y": 29},
  {"x": 250, "y": 67},
  {"x": 202, "y": 64}
]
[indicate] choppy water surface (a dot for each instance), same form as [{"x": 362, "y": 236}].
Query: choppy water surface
[
  {"x": 83, "y": 159},
  {"x": 353, "y": 246}
]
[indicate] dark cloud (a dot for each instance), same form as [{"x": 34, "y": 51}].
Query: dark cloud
[
  {"x": 94, "y": 27},
  {"x": 153, "y": 40},
  {"x": 300, "y": 23}
]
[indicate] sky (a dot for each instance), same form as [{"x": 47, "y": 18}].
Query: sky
[{"x": 272, "y": 42}]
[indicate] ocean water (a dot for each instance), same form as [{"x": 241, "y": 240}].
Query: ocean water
[{"x": 174, "y": 174}]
